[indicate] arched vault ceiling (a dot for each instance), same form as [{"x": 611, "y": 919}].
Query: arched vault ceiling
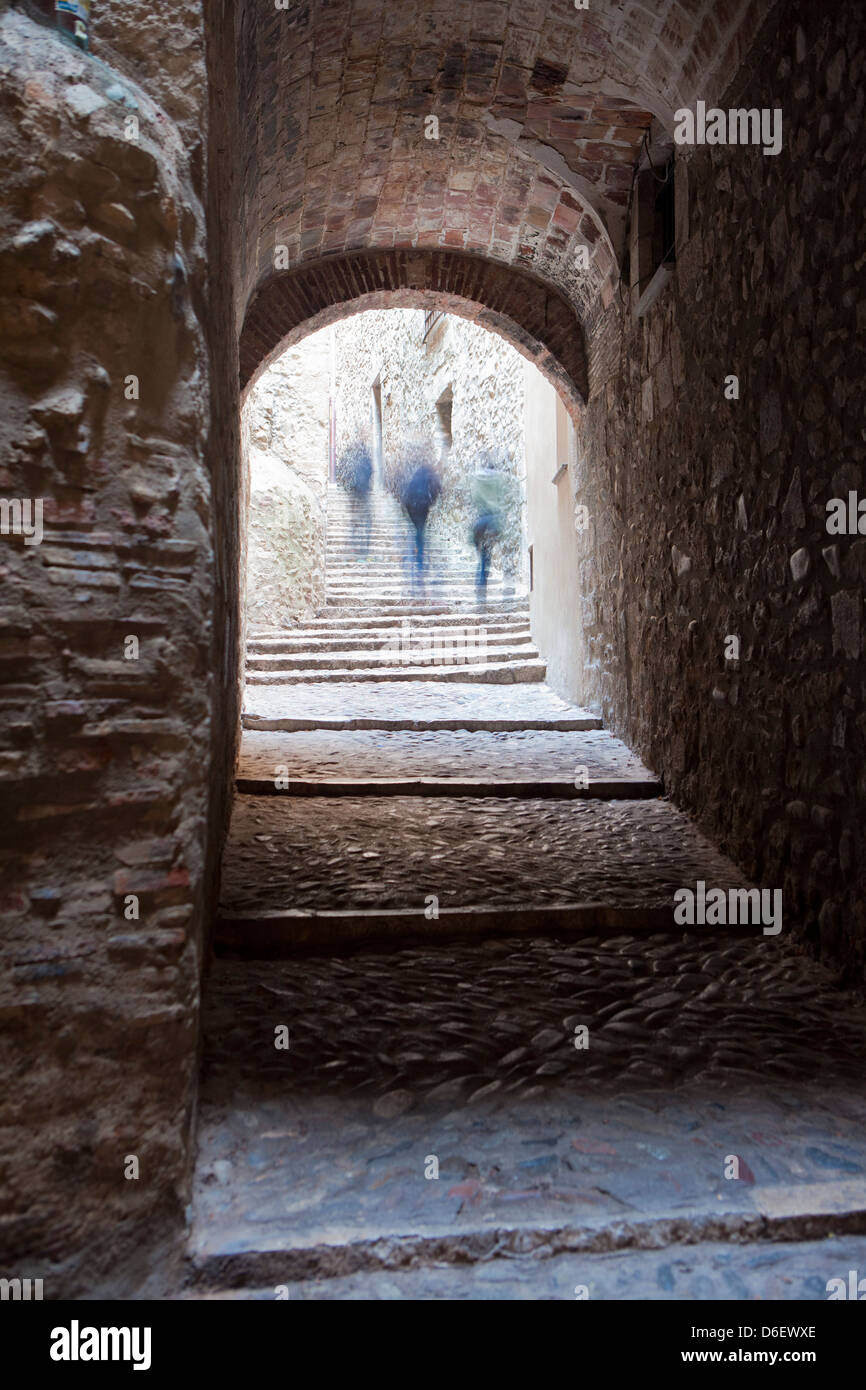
[{"x": 541, "y": 108}]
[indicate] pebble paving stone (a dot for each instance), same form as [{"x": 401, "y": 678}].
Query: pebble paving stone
[
  {"x": 747, "y": 1049},
  {"x": 582, "y": 1099},
  {"x": 412, "y": 705},
  {"x": 391, "y": 852},
  {"x": 524, "y": 755}
]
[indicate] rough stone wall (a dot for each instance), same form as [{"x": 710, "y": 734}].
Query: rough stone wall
[
  {"x": 286, "y": 418},
  {"x": 161, "y": 45},
  {"x": 485, "y": 377},
  {"x": 228, "y": 481},
  {"x": 105, "y": 753},
  {"x": 709, "y": 514}
]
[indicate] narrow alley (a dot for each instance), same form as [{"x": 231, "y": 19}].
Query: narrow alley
[{"x": 432, "y": 670}]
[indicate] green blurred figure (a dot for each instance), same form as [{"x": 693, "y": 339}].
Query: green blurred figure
[{"x": 488, "y": 489}]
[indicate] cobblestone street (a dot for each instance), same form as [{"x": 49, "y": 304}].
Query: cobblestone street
[
  {"x": 319, "y": 853},
  {"x": 483, "y": 1106},
  {"x": 313, "y": 1158}
]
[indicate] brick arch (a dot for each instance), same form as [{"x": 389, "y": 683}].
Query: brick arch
[{"x": 534, "y": 317}]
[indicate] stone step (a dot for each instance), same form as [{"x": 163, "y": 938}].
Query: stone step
[
  {"x": 548, "y": 756},
  {"x": 349, "y": 540},
  {"x": 288, "y": 931},
  {"x": 394, "y": 571},
  {"x": 398, "y": 553},
  {"x": 375, "y": 640},
  {"x": 344, "y": 527},
  {"x": 363, "y": 638},
  {"x": 401, "y": 576},
  {"x": 402, "y": 592},
  {"x": 494, "y": 673},
  {"x": 354, "y": 615},
  {"x": 500, "y": 620},
  {"x": 382, "y": 504},
  {"x": 474, "y": 1266},
  {"x": 378, "y": 498},
  {"x": 387, "y": 722},
  {"x": 418, "y": 705},
  {"x": 445, "y": 598},
  {"x": 399, "y": 529},
  {"x": 603, "y": 1167},
  {"x": 444, "y": 588},
  {"x": 390, "y": 654},
  {"x": 537, "y": 790},
  {"x": 379, "y": 521},
  {"x": 543, "y": 865},
  {"x": 394, "y": 561},
  {"x": 381, "y": 518},
  {"x": 401, "y": 582}
]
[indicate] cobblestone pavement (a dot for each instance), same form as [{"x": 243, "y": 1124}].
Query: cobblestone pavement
[
  {"x": 528, "y": 755},
  {"x": 415, "y": 702},
  {"x": 659, "y": 1008},
  {"x": 391, "y": 852},
  {"x": 508, "y": 1118},
  {"x": 696, "y": 1054}
]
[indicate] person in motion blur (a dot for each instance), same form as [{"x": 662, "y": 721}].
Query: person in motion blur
[
  {"x": 358, "y": 478},
  {"x": 487, "y": 489},
  {"x": 419, "y": 493}
]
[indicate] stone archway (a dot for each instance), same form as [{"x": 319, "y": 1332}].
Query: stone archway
[{"x": 532, "y": 316}]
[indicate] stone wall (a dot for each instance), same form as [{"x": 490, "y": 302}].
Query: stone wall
[
  {"x": 708, "y": 514},
  {"x": 108, "y": 651},
  {"x": 484, "y": 375},
  {"x": 286, "y": 419}
]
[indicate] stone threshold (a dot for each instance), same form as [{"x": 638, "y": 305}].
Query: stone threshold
[
  {"x": 807, "y": 1212},
  {"x": 339, "y": 723},
  {"x": 494, "y": 673},
  {"x": 259, "y": 935}
]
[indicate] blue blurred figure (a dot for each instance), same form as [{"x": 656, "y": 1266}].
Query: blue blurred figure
[{"x": 358, "y": 477}]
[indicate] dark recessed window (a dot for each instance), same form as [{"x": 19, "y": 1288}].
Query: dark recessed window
[{"x": 664, "y": 230}]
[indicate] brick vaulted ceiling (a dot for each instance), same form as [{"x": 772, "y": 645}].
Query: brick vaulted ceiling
[{"x": 542, "y": 111}]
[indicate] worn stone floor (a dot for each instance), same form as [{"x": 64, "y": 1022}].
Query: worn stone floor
[
  {"x": 313, "y": 1158},
  {"x": 372, "y": 753},
  {"x": 393, "y": 852},
  {"x": 411, "y": 705}
]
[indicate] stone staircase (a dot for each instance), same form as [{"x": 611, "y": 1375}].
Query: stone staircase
[
  {"x": 380, "y": 624},
  {"x": 431, "y": 906}
]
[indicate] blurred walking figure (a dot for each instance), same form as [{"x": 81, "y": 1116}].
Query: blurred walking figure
[
  {"x": 418, "y": 495},
  {"x": 358, "y": 475},
  {"x": 488, "y": 491}
]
